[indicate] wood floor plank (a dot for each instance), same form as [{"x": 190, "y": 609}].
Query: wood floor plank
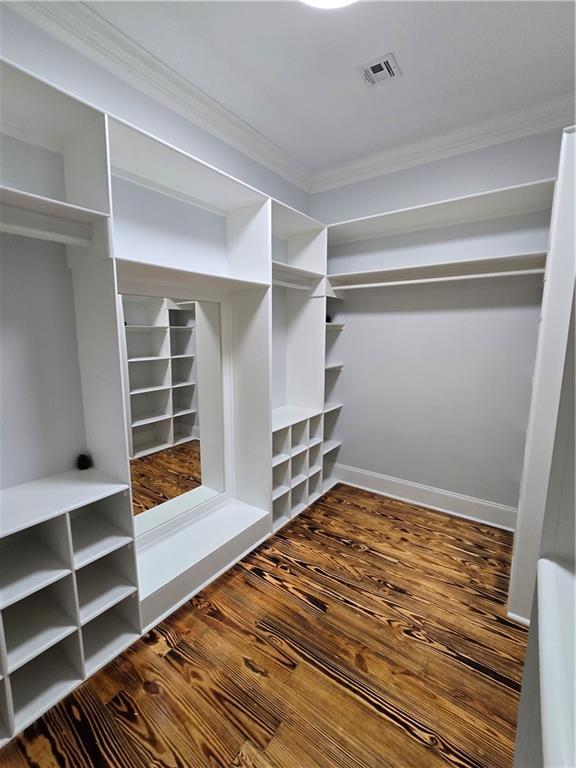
[{"x": 369, "y": 633}]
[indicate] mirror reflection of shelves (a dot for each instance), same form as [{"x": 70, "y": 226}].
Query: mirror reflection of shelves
[{"x": 160, "y": 353}]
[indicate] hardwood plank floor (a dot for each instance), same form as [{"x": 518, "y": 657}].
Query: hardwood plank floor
[
  {"x": 164, "y": 475},
  {"x": 367, "y": 633}
]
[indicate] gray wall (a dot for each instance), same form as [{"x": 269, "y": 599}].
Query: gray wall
[
  {"x": 42, "y": 425},
  {"x": 444, "y": 373}
]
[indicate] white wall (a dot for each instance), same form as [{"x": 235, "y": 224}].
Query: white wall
[
  {"x": 445, "y": 375},
  {"x": 30, "y": 48},
  {"x": 42, "y": 425},
  {"x": 514, "y": 162}
]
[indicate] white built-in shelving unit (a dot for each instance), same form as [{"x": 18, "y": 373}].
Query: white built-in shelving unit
[{"x": 160, "y": 344}]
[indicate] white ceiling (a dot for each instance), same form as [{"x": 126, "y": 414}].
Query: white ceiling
[{"x": 289, "y": 72}]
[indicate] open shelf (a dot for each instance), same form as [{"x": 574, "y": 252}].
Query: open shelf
[
  {"x": 532, "y": 263},
  {"x": 335, "y": 326},
  {"x": 95, "y": 533},
  {"x": 102, "y": 585},
  {"x": 334, "y": 367},
  {"x": 280, "y": 491},
  {"x": 299, "y": 498},
  {"x": 22, "y": 506},
  {"x": 508, "y": 201},
  {"x": 287, "y": 415},
  {"x": 289, "y": 276},
  {"x": 315, "y": 487},
  {"x": 38, "y": 622},
  {"x": 33, "y": 559},
  {"x": 106, "y": 636},
  {"x": 330, "y": 445},
  {"x": 151, "y": 437},
  {"x": 41, "y": 683},
  {"x": 331, "y": 407}
]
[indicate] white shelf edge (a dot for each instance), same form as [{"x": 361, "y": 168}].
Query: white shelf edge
[
  {"x": 298, "y": 480},
  {"x": 151, "y": 420},
  {"x": 280, "y": 491},
  {"x": 151, "y": 449},
  {"x": 145, "y": 390},
  {"x": 330, "y": 445},
  {"x": 280, "y": 458}
]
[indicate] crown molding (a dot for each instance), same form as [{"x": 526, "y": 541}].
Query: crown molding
[
  {"x": 514, "y": 125},
  {"x": 83, "y": 29}
]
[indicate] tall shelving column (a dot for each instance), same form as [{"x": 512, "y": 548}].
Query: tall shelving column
[
  {"x": 332, "y": 404},
  {"x": 182, "y": 319}
]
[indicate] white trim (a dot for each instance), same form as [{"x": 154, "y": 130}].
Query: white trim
[
  {"x": 518, "y": 619},
  {"x": 515, "y": 125},
  {"x": 81, "y": 27},
  {"x": 468, "y": 507}
]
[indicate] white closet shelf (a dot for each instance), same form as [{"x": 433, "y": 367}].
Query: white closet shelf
[
  {"x": 328, "y": 483},
  {"x": 498, "y": 203},
  {"x": 298, "y": 508},
  {"x": 138, "y": 328},
  {"x": 532, "y": 263},
  {"x": 93, "y": 537},
  {"x": 184, "y": 412},
  {"x": 188, "y": 328},
  {"x": 287, "y": 415},
  {"x": 32, "y": 626},
  {"x": 104, "y": 638},
  {"x": 298, "y": 480},
  {"x": 184, "y": 439},
  {"x": 329, "y": 407},
  {"x": 330, "y": 445},
  {"x": 335, "y": 326},
  {"x": 314, "y": 469},
  {"x": 144, "y": 390},
  {"x": 298, "y": 449},
  {"x": 151, "y": 419},
  {"x": 334, "y": 367},
  {"x": 314, "y": 497},
  {"x": 148, "y": 359},
  {"x": 181, "y": 357},
  {"x": 150, "y": 447},
  {"x": 556, "y": 595},
  {"x": 22, "y": 506},
  {"x": 294, "y": 277},
  {"x": 280, "y": 458},
  {"x": 179, "y": 384},
  {"x": 280, "y": 522},
  {"x": 314, "y": 441},
  {"x": 40, "y": 684},
  {"x": 281, "y": 490},
  {"x": 100, "y": 588},
  {"x": 26, "y": 572},
  {"x": 287, "y": 222}
]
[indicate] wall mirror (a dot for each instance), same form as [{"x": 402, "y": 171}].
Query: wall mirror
[{"x": 172, "y": 382}]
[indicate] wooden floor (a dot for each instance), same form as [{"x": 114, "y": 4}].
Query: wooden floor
[
  {"x": 367, "y": 633},
  {"x": 164, "y": 475}
]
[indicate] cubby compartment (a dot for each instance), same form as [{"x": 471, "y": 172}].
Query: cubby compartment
[
  {"x": 38, "y": 622},
  {"x": 182, "y": 370},
  {"x": 184, "y": 427},
  {"x": 299, "y": 469},
  {"x": 105, "y": 582},
  {"x": 147, "y": 343},
  {"x": 183, "y": 400},
  {"x": 33, "y": 559},
  {"x": 316, "y": 430},
  {"x": 45, "y": 680},
  {"x": 151, "y": 437},
  {"x": 281, "y": 511},
  {"x": 299, "y": 498},
  {"x": 182, "y": 341},
  {"x": 110, "y": 633},
  {"x": 148, "y": 407},
  {"x": 280, "y": 479},
  {"x": 182, "y": 318},
  {"x": 299, "y": 437},
  {"x": 315, "y": 487},
  {"x": 315, "y": 459},
  {"x": 144, "y": 312},
  {"x": 149, "y": 376},
  {"x": 298, "y": 241},
  {"x": 331, "y": 441},
  {"x": 100, "y": 528},
  {"x": 281, "y": 445},
  {"x": 328, "y": 478}
]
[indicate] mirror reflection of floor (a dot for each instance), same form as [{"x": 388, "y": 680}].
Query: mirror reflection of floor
[{"x": 164, "y": 475}]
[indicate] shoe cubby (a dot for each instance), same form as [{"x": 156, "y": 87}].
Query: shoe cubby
[
  {"x": 147, "y": 343},
  {"x": 182, "y": 400},
  {"x": 299, "y": 437},
  {"x": 328, "y": 478},
  {"x": 182, "y": 370},
  {"x": 299, "y": 498},
  {"x": 151, "y": 437},
  {"x": 36, "y": 623},
  {"x": 314, "y": 487},
  {"x": 111, "y": 632},
  {"x": 100, "y": 528},
  {"x": 281, "y": 510},
  {"x": 148, "y": 407},
  {"x": 181, "y": 341},
  {"x": 105, "y": 582},
  {"x": 316, "y": 430},
  {"x": 184, "y": 428},
  {"x": 33, "y": 559},
  {"x": 182, "y": 318},
  {"x": 144, "y": 312},
  {"x": 149, "y": 375},
  {"x": 315, "y": 459},
  {"x": 42, "y": 682},
  {"x": 280, "y": 479},
  {"x": 299, "y": 469},
  {"x": 331, "y": 442},
  {"x": 281, "y": 445}
]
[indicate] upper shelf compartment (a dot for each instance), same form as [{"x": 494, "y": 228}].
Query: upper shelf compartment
[
  {"x": 499, "y": 203},
  {"x": 298, "y": 247},
  {"x": 53, "y": 146}
]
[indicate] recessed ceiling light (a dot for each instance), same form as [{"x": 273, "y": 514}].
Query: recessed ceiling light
[{"x": 327, "y": 5}]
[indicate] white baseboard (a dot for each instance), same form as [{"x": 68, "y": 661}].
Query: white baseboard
[
  {"x": 479, "y": 510},
  {"x": 518, "y": 619}
]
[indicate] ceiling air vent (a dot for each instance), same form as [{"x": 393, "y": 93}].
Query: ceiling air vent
[{"x": 381, "y": 69}]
